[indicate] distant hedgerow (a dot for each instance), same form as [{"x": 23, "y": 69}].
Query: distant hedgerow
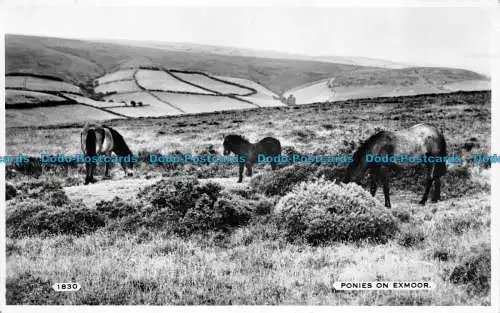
[{"x": 321, "y": 212}]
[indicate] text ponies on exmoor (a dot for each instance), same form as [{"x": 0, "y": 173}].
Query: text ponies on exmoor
[
  {"x": 240, "y": 146},
  {"x": 418, "y": 140},
  {"x": 103, "y": 140}
]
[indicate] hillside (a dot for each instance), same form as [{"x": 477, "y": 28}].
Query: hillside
[{"x": 81, "y": 61}]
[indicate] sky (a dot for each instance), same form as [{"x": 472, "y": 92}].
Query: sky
[{"x": 435, "y": 36}]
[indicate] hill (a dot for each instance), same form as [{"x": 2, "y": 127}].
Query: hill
[{"x": 81, "y": 61}]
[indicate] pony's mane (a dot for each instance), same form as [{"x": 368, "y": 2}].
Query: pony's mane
[
  {"x": 120, "y": 143},
  {"x": 358, "y": 156},
  {"x": 233, "y": 137}
]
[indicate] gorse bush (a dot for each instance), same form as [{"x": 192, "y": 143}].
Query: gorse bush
[
  {"x": 10, "y": 191},
  {"x": 321, "y": 212},
  {"x": 30, "y": 217},
  {"x": 280, "y": 182},
  {"x": 180, "y": 206},
  {"x": 45, "y": 191},
  {"x": 474, "y": 271},
  {"x": 41, "y": 207}
]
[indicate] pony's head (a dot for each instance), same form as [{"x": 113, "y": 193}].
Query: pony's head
[
  {"x": 359, "y": 165},
  {"x": 233, "y": 143},
  {"x": 121, "y": 148}
]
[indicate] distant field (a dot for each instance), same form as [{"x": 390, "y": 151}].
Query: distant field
[
  {"x": 39, "y": 84},
  {"x": 160, "y": 80},
  {"x": 212, "y": 84},
  {"x": 16, "y": 98},
  {"x": 198, "y": 104},
  {"x": 320, "y": 92},
  {"x": 263, "y": 97},
  {"x": 151, "y": 111},
  {"x": 118, "y": 75},
  {"x": 118, "y": 86},
  {"x": 61, "y": 114},
  {"x": 468, "y": 85},
  {"x": 141, "y": 96}
]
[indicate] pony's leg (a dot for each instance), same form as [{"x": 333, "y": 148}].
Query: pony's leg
[
  {"x": 90, "y": 173},
  {"x": 374, "y": 180},
  {"x": 242, "y": 166},
  {"x": 437, "y": 190},
  {"x": 428, "y": 184},
  {"x": 249, "y": 169},
  {"x": 384, "y": 176},
  {"x": 273, "y": 166},
  {"x": 87, "y": 173},
  {"x": 106, "y": 172}
]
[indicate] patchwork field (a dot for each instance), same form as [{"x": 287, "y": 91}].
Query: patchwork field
[
  {"x": 53, "y": 115},
  {"x": 24, "y": 98},
  {"x": 118, "y": 87},
  {"x": 161, "y": 80},
  {"x": 213, "y": 84},
  {"x": 33, "y": 83},
  {"x": 189, "y": 234},
  {"x": 199, "y": 104},
  {"x": 125, "y": 74}
]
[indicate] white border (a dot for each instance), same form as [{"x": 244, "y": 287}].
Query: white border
[{"x": 495, "y": 145}]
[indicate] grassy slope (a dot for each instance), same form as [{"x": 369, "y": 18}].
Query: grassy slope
[
  {"x": 151, "y": 268},
  {"x": 80, "y": 61}
]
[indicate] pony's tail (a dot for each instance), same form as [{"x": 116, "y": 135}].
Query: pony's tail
[
  {"x": 441, "y": 167},
  {"x": 90, "y": 143}
]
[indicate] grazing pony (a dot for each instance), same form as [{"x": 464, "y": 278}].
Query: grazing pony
[
  {"x": 103, "y": 140},
  {"x": 419, "y": 140},
  {"x": 240, "y": 146}
]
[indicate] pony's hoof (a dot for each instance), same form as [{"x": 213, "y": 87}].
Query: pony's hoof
[
  {"x": 130, "y": 174},
  {"x": 435, "y": 200},
  {"x": 239, "y": 181},
  {"x": 422, "y": 202}
]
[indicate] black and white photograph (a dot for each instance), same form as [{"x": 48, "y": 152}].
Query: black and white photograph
[{"x": 249, "y": 155}]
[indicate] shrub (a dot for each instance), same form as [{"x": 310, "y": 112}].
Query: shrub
[
  {"x": 474, "y": 270},
  {"x": 116, "y": 208},
  {"x": 336, "y": 173},
  {"x": 411, "y": 236},
  {"x": 29, "y": 218},
  {"x": 48, "y": 191},
  {"x": 280, "y": 182},
  {"x": 226, "y": 212},
  {"x": 320, "y": 212},
  {"x": 10, "y": 191},
  {"x": 33, "y": 167},
  {"x": 180, "y": 206}
]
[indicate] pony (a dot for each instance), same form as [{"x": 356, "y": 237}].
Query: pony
[
  {"x": 240, "y": 146},
  {"x": 103, "y": 140},
  {"x": 418, "y": 140}
]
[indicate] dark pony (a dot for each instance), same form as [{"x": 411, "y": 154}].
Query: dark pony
[
  {"x": 419, "y": 140},
  {"x": 104, "y": 140},
  {"x": 240, "y": 146}
]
